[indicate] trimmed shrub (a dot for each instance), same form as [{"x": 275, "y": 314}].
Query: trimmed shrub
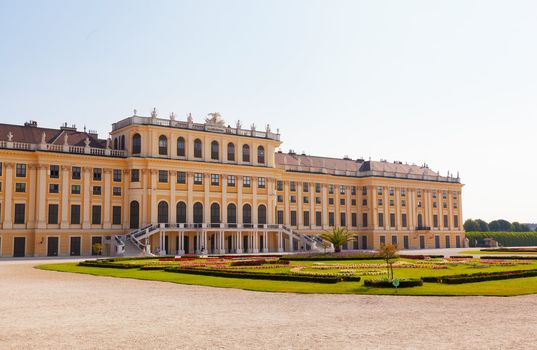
[
  {"x": 333, "y": 256},
  {"x": 461, "y": 257},
  {"x": 480, "y": 277},
  {"x": 420, "y": 257},
  {"x": 105, "y": 264},
  {"x": 387, "y": 283},
  {"x": 507, "y": 257},
  {"x": 254, "y": 275},
  {"x": 506, "y": 239}
]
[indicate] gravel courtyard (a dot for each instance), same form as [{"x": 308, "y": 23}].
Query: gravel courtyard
[{"x": 53, "y": 310}]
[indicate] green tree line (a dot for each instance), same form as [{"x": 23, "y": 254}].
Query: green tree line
[
  {"x": 500, "y": 225},
  {"x": 505, "y": 239}
]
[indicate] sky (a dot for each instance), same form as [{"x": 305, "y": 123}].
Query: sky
[{"x": 449, "y": 83}]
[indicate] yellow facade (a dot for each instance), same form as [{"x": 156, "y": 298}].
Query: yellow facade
[{"x": 227, "y": 190}]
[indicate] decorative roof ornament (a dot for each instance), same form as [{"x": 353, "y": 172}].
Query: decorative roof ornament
[
  {"x": 238, "y": 125},
  {"x": 87, "y": 141},
  {"x": 189, "y": 119},
  {"x": 65, "y": 138},
  {"x": 278, "y": 131},
  {"x": 108, "y": 143},
  {"x": 10, "y": 136},
  {"x": 43, "y": 138},
  {"x": 268, "y": 128},
  {"x": 154, "y": 112},
  {"x": 215, "y": 119},
  {"x": 252, "y": 127},
  {"x": 172, "y": 116},
  {"x": 134, "y": 112}
]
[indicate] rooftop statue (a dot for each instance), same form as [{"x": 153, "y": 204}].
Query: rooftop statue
[
  {"x": 65, "y": 138},
  {"x": 189, "y": 119},
  {"x": 43, "y": 138},
  {"x": 154, "y": 113},
  {"x": 238, "y": 125},
  {"x": 214, "y": 119},
  {"x": 10, "y": 136}
]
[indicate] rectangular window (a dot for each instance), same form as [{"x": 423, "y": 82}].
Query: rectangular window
[
  {"x": 364, "y": 202},
  {"x": 116, "y": 191},
  {"x": 444, "y": 195},
  {"x": 20, "y": 170},
  {"x": 317, "y": 200},
  {"x": 318, "y": 187},
  {"x": 454, "y": 205},
  {"x": 354, "y": 220},
  {"x": 293, "y": 218},
  {"x": 403, "y": 220},
  {"x": 292, "y": 186},
  {"x": 382, "y": 240},
  {"x": 0, "y": 168},
  {"x": 279, "y": 185},
  {"x": 318, "y": 218},
  {"x": 75, "y": 173},
  {"x": 381, "y": 219},
  {"x": 435, "y": 220},
  {"x": 280, "y": 217},
  {"x": 392, "y": 191},
  {"x": 306, "y": 199},
  {"x": 403, "y": 203},
  {"x": 293, "y": 199},
  {"x": 117, "y": 175},
  {"x": 163, "y": 176},
  {"x": 435, "y": 205},
  {"x": 331, "y": 219},
  {"x": 246, "y": 181},
  {"x": 403, "y": 192},
  {"x": 392, "y": 202},
  {"x": 419, "y": 204},
  {"x": 446, "y": 223},
  {"x": 75, "y": 189},
  {"x": 261, "y": 182},
  {"x": 353, "y": 202},
  {"x": 305, "y": 187},
  {"x": 53, "y": 214},
  {"x": 418, "y": 193},
  {"x": 135, "y": 175},
  {"x": 444, "y": 205},
  {"x": 215, "y": 180},
  {"x": 434, "y": 193},
  {"x": 331, "y": 189},
  {"x": 97, "y": 190},
  {"x": 448, "y": 242},
  {"x": 116, "y": 215},
  {"x": 54, "y": 188},
  {"x": 342, "y": 219},
  {"x": 394, "y": 240},
  {"x": 96, "y": 215},
  {"x": 198, "y": 179},
  {"x": 379, "y": 190},
  {"x": 20, "y": 213},
  {"x": 342, "y": 201},
  {"x": 380, "y": 201},
  {"x": 97, "y": 174},
  {"x": 75, "y": 214},
  {"x": 353, "y": 190},
  {"x": 330, "y": 201},
  {"x": 20, "y": 187},
  {"x": 181, "y": 177},
  {"x": 392, "y": 220},
  {"x": 280, "y": 198},
  {"x": 364, "y": 220},
  {"x": 456, "y": 221},
  {"x": 364, "y": 190},
  {"x": 306, "y": 218},
  {"x": 54, "y": 171},
  {"x": 341, "y": 189}
]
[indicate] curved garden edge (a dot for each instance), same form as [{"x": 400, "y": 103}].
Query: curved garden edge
[{"x": 502, "y": 288}]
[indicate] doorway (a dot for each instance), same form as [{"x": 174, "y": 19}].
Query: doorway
[
  {"x": 75, "y": 246},
  {"x": 19, "y": 247},
  {"x": 52, "y": 246}
]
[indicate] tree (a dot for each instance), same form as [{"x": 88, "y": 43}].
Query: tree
[
  {"x": 500, "y": 226},
  {"x": 483, "y": 226},
  {"x": 338, "y": 237},
  {"x": 388, "y": 252},
  {"x": 471, "y": 226}
]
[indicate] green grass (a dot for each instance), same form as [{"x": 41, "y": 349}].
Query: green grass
[{"x": 490, "y": 288}]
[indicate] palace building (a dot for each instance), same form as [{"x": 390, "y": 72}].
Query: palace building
[{"x": 165, "y": 186}]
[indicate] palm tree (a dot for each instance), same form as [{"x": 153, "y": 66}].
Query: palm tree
[{"x": 338, "y": 237}]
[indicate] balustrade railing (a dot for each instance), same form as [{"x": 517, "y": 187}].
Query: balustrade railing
[{"x": 62, "y": 148}]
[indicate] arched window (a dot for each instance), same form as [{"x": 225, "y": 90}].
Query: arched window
[
  {"x": 262, "y": 214},
  {"x": 134, "y": 215},
  {"x": 115, "y": 142},
  {"x": 162, "y": 145},
  {"x": 247, "y": 214},
  {"x": 246, "y": 153},
  {"x": 122, "y": 138},
  {"x": 180, "y": 213},
  {"x": 261, "y": 155},
  {"x": 197, "y": 148},
  {"x": 181, "y": 150},
  {"x": 162, "y": 212},
  {"x": 231, "y": 152},
  {"x": 231, "y": 213},
  {"x": 136, "y": 144},
  {"x": 420, "y": 220},
  {"x": 215, "y": 213},
  {"x": 198, "y": 213},
  {"x": 214, "y": 151}
]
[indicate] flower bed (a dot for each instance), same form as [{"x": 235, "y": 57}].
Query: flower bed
[
  {"x": 388, "y": 283},
  {"x": 420, "y": 257},
  {"x": 508, "y": 257},
  {"x": 480, "y": 277},
  {"x": 254, "y": 275},
  {"x": 331, "y": 256}
]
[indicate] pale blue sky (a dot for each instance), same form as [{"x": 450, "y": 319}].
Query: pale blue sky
[{"x": 450, "y": 83}]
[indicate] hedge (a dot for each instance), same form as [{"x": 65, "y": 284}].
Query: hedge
[
  {"x": 508, "y": 257},
  {"x": 328, "y": 257},
  {"x": 480, "y": 277},
  {"x": 506, "y": 239},
  {"x": 106, "y": 264},
  {"x": 420, "y": 257},
  {"x": 386, "y": 283},
  {"x": 510, "y": 250},
  {"x": 255, "y": 275}
]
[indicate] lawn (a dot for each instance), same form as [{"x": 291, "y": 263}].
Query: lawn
[{"x": 506, "y": 287}]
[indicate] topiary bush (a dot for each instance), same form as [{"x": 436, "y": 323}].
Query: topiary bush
[{"x": 387, "y": 283}]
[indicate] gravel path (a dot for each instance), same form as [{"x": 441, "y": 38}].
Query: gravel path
[{"x": 45, "y": 309}]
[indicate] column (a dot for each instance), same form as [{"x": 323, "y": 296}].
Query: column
[
  {"x": 300, "y": 212},
  {"x": 271, "y": 205},
  {"x": 126, "y": 181},
  {"x": 239, "y": 200},
  {"x": 239, "y": 242},
  {"x": 254, "y": 200},
  {"x": 42, "y": 195},
  {"x": 255, "y": 242},
  {"x": 190, "y": 204},
  {"x": 223, "y": 219},
  {"x": 107, "y": 190},
  {"x": 265, "y": 242},
  {"x": 8, "y": 196},
  {"x": 171, "y": 207},
  {"x": 286, "y": 213},
  {"x": 280, "y": 241},
  {"x": 325, "y": 206},
  {"x": 206, "y": 199},
  {"x": 32, "y": 196},
  {"x": 312, "y": 205},
  {"x": 86, "y": 171},
  {"x": 65, "y": 196},
  {"x": 153, "y": 196}
]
